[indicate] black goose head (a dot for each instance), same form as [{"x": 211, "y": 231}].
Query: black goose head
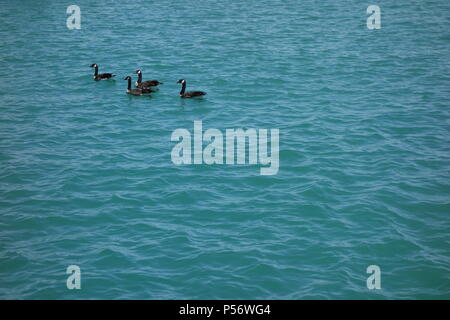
[
  {"x": 94, "y": 65},
  {"x": 138, "y": 71},
  {"x": 181, "y": 81},
  {"x": 127, "y": 78}
]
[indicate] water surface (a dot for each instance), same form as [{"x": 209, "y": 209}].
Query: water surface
[{"x": 86, "y": 176}]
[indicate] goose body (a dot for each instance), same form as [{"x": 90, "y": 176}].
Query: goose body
[
  {"x": 101, "y": 76},
  {"x": 137, "y": 91},
  {"x": 189, "y": 94},
  {"x": 145, "y": 84}
]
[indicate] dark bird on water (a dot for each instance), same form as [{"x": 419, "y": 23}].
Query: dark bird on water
[
  {"x": 189, "y": 94},
  {"x": 101, "y": 76},
  {"x": 137, "y": 91},
  {"x": 145, "y": 84}
]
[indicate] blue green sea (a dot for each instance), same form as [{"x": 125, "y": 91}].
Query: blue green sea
[{"x": 87, "y": 179}]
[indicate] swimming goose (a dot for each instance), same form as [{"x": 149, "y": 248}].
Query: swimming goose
[
  {"x": 189, "y": 94},
  {"x": 101, "y": 76},
  {"x": 138, "y": 91},
  {"x": 145, "y": 84}
]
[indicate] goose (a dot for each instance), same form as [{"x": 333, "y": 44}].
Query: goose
[
  {"x": 138, "y": 91},
  {"x": 101, "y": 76},
  {"x": 189, "y": 94},
  {"x": 145, "y": 84}
]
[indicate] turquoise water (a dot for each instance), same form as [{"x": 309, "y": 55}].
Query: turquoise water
[{"x": 86, "y": 176}]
